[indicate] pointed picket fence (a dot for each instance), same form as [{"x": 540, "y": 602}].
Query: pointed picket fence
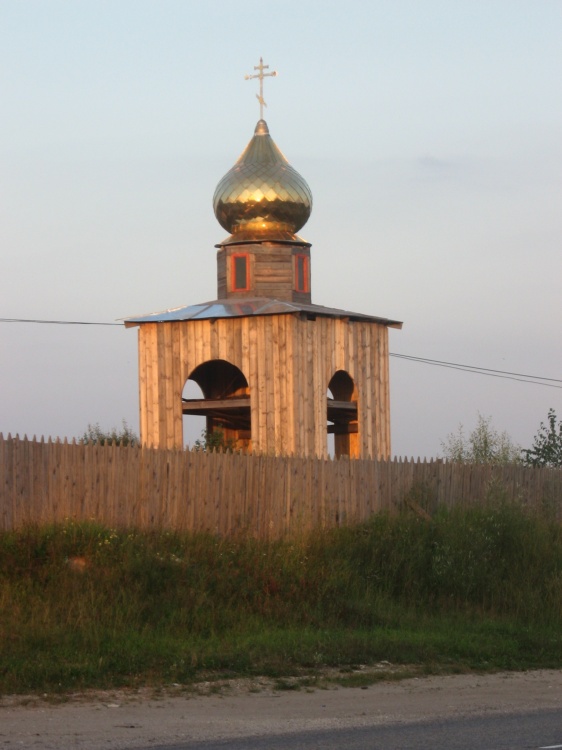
[{"x": 49, "y": 481}]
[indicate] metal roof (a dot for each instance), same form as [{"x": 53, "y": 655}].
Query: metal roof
[{"x": 228, "y": 308}]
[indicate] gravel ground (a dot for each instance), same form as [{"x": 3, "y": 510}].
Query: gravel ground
[{"x": 142, "y": 719}]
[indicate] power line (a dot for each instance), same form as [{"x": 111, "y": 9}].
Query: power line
[
  {"x": 489, "y": 372},
  {"x": 57, "y": 322},
  {"x": 505, "y": 374}
]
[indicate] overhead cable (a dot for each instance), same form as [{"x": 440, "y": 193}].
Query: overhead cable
[{"x": 504, "y": 374}]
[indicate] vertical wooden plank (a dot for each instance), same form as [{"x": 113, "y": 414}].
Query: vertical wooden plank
[
  {"x": 308, "y": 387},
  {"x": 248, "y": 492},
  {"x": 315, "y": 396},
  {"x": 173, "y": 521},
  {"x": 199, "y": 341},
  {"x": 265, "y": 498},
  {"x": 147, "y": 483},
  {"x": 295, "y": 495},
  {"x": 290, "y": 325},
  {"x": 298, "y": 366},
  {"x": 283, "y": 385},
  {"x": 164, "y": 383},
  {"x": 277, "y": 376},
  {"x": 19, "y": 507},
  {"x": 366, "y": 356},
  {"x": 369, "y": 487},
  {"x": 132, "y": 486},
  {"x": 206, "y": 478},
  {"x": 253, "y": 378},
  {"x": 320, "y": 386},
  {"x": 177, "y": 520},
  {"x": 188, "y": 496},
  {"x": 143, "y": 384},
  {"x": 224, "y": 346},
  {"x": 213, "y": 340},
  {"x": 382, "y": 395},
  {"x": 6, "y": 505},
  {"x": 121, "y": 499},
  {"x": 184, "y": 353},
  {"x": 259, "y": 531},
  {"x": 292, "y": 494},
  {"x": 64, "y": 494},
  {"x": 50, "y": 470},
  {"x": 97, "y": 484},
  {"x": 270, "y": 380},
  {"x": 226, "y": 499},
  {"x": 176, "y": 415},
  {"x": 149, "y": 331},
  {"x": 245, "y": 347},
  {"x": 266, "y": 387},
  {"x": 277, "y": 494}
]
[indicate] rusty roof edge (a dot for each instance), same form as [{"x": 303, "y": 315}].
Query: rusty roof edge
[{"x": 229, "y": 308}]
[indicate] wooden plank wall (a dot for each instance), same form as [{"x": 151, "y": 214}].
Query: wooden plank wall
[
  {"x": 273, "y": 273},
  {"x": 271, "y": 270},
  {"x": 287, "y": 360},
  {"x": 47, "y": 482}
]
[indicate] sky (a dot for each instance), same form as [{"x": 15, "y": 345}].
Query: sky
[{"x": 428, "y": 131}]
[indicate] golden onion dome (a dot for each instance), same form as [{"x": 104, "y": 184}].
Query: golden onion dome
[{"x": 262, "y": 197}]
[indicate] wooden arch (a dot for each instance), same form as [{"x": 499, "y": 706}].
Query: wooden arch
[
  {"x": 342, "y": 414},
  {"x": 226, "y": 404}
]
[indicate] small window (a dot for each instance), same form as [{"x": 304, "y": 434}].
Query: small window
[
  {"x": 301, "y": 273},
  {"x": 240, "y": 273}
]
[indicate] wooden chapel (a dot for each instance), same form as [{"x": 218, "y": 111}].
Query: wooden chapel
[{"x": 277, "y": 372}]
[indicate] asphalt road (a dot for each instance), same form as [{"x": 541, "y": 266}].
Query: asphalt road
[{"x": 526, "y": 731}]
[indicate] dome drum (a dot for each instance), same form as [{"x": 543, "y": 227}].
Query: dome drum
[{"x": 272, "y": 270}]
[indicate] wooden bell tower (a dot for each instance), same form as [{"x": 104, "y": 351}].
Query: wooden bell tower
[{"x": 277, "y": 373}]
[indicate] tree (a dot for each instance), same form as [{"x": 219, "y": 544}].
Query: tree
[
  {"x": 547, "y": 445},
  {"x": 484, "y": 445},
  {"x": 125, "y": 436}
]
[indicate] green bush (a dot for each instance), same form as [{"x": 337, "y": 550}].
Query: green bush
[{"x": 96, "y": 435}]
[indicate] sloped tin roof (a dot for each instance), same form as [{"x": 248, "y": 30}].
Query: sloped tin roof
[{"x": 228, "y": 308}]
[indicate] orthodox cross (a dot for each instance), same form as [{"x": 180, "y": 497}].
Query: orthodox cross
[{"x": 261, "y": 75}]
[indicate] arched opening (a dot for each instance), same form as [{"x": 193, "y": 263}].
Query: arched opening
[
  {"x": 194, "y": 425},
  {"x": 342, "y": 415},
  {"x": 225, "y": 404}
]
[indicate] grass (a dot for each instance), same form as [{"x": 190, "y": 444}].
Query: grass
[{"x": 83, "y": 606}]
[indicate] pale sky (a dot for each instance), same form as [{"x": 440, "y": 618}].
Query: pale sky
[{"x": 428, "y": 131}]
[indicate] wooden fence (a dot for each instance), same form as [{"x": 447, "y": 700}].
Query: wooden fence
[{"x": 48, "y": 482}]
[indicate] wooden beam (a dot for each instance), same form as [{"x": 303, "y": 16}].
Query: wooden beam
[
  {"x": 215, "y": 403},
  {"x": 342, "y": 405},
  {"x": 343, "y": 428}
]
